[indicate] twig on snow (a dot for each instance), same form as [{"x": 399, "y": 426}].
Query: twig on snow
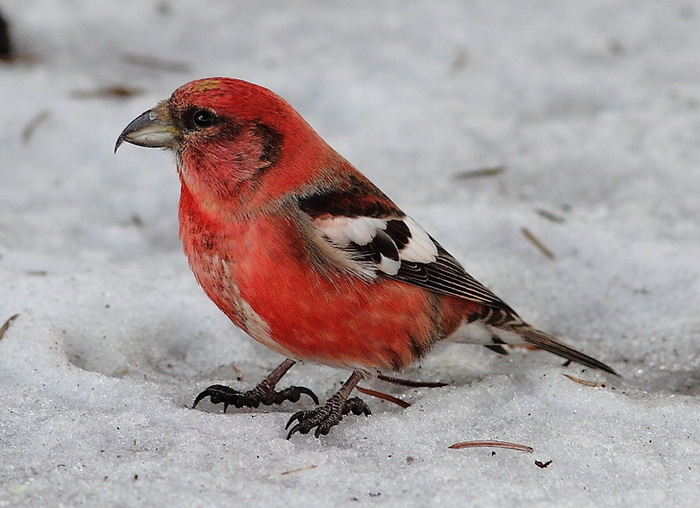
[
  {"x": 533, "y": 239},
  {"x": 413, "y": 384},
  {"x": 384, "y": 396},
  {"x": 492, "y": 444}
]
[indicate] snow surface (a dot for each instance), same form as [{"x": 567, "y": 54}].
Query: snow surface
[{"x": 591, "y": 109}]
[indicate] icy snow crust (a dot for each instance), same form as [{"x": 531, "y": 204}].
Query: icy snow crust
[{"x": 591, "y": 109}]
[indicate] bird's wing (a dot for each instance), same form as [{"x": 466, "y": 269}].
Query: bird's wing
[
  {"x": 381, "y": 241},
  {"x": 375, "y": 239}
]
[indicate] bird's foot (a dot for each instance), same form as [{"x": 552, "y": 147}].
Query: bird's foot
[
  {"x": 327, "y": 416},
  {"x": 261, "y": 394}
]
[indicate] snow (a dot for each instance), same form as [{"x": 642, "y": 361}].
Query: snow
[{"x": 591, "y": 109}]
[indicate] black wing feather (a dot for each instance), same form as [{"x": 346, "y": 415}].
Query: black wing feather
[
  {"x": 361, "y": 199},
  {"x": 447, "y": 276}
]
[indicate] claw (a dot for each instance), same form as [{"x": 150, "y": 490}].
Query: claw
[
  {"x": 325, "y": 417},
  {"x": 215, "y": 394},
  {"x": 261, "y": 394},
  {"x": 297, "y": 428},
  {"x": 299, "y": 415},
  {"x": 294, "y": 393},
  {"x": 357, "y": 406},
  {"x": 199, "y": 399}
]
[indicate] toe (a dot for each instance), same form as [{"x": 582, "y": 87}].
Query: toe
[{"x": 216, "y": 394}]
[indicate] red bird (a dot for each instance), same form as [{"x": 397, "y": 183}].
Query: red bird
[{"x": 306, "y": 255}]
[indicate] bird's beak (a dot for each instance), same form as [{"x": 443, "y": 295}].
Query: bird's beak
[{"x": 152, "y": 129}]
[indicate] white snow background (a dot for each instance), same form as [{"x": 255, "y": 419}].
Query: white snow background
[{"x": 589, "y": 112}]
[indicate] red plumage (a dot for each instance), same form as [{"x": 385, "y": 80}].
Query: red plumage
[{"x": 306, "y": 255}]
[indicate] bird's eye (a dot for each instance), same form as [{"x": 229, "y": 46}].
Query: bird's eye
[{"x": 202, "y": 118}]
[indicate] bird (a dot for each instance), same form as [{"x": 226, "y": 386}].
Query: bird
[{"x": 307, "y": 256}]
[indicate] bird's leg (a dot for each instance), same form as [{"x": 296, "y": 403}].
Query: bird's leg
[
  {"x": 264, "y": 393},
  {"x": 327, "y": 416}
]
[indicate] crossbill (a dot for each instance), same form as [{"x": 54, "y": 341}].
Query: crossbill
[{"x": 307, "y": 256}]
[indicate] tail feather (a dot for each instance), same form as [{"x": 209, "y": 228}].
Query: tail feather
[
  {"x": 495, "y": 326},
  {"x": 548, "y": 343}
]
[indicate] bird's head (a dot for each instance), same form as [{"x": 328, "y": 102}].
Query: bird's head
[{"x": 229, "y": 135}]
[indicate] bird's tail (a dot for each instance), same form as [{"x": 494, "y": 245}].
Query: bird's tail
[
  {"x": 496, "y": 327},
  {"x": 546, "y": 342}
]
